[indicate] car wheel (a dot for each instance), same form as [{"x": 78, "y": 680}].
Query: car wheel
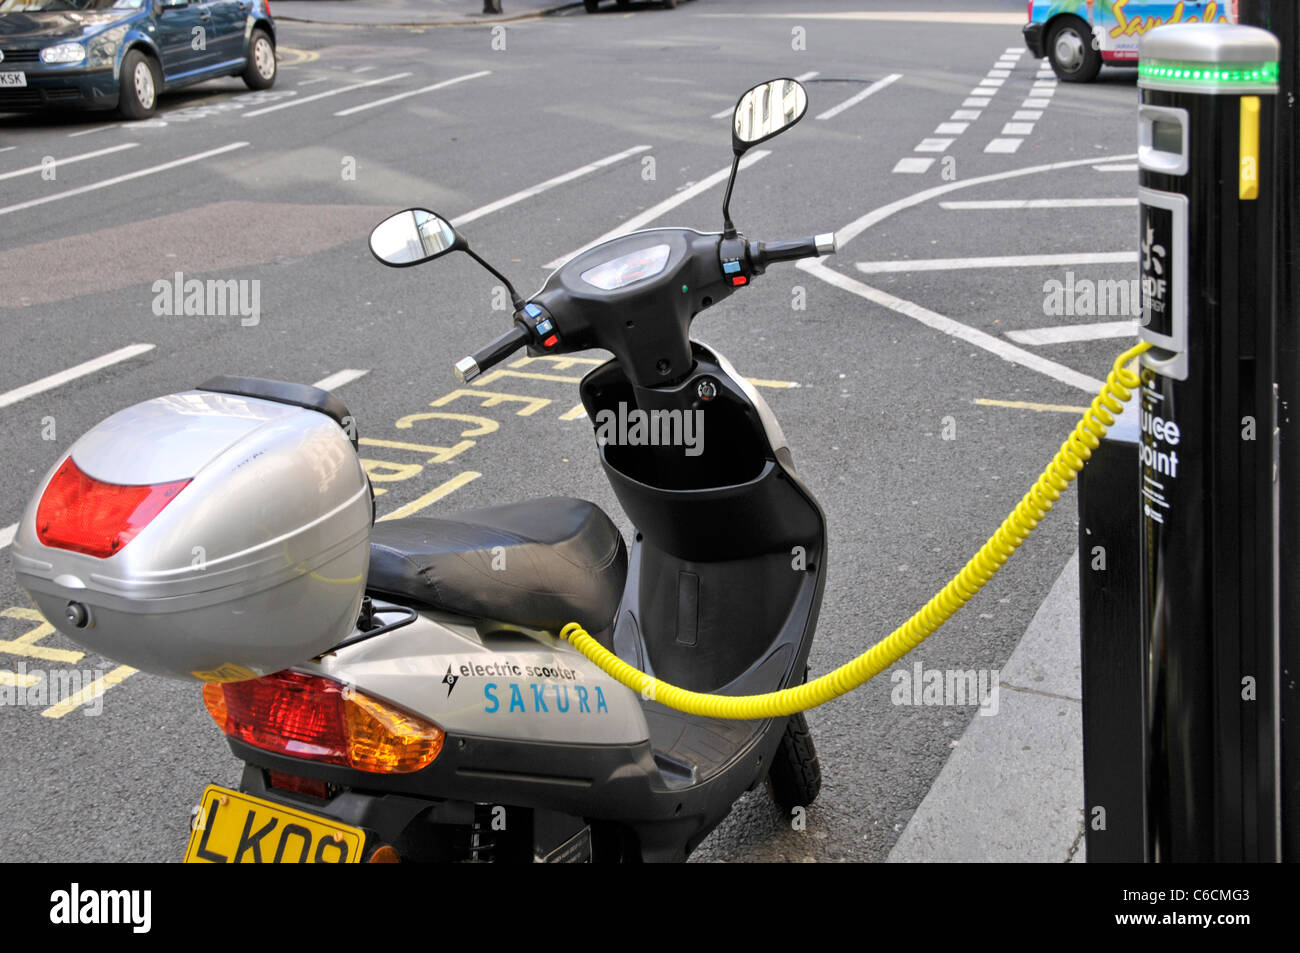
[
  {"x": 1070, "y": 49},
  {"x": 138, "y": 86},
  {"x": 260, "y": 71},
  {"x": 591, "y": 5},
  {"x": 670, "y": 4}
]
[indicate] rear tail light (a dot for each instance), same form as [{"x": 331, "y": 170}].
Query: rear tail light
[
  {"x": 299, "y": 785},
  {"x": 306, "y": 716},
  {"x": 86, "y": 515}
]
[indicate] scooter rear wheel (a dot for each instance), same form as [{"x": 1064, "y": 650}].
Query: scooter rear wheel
[{"x": 795, "y": 776}]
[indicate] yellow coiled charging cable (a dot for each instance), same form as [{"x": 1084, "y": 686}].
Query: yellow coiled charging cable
[{"x": 1065, "y": 466}]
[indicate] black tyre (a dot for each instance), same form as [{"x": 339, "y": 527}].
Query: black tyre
[
  {"x": 591, "y": 5},
  {"x": 670, "y": 4},
  {"x": 795, "y": 776},
  {"x": 1070, "y": 49},
  {"x": 138, "y": 86},
  {"x": 261, "y": 69}
]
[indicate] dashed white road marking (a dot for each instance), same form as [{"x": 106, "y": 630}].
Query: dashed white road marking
[
  {"x": 414, "y": 92},
  {"x": 913, "y": 165},
  {"x": 1070, "y": 333},
  {"x": 969, "y": 115},
  {"x": 327, "y": 93},
  {"x": 1018, "y": 129},
  {"x": 69, "y": 160},
  {"x": 1032, "y": 115},
  {"x": 197, "y": 157},
  {"x": 976, "y": 101},
  {"x": 87, "y": 132},
  {"x": 933, "y": 145},
  {"x": 462, "y": 220},
  {"x": 7, "y": 148},
  {"x": 1037, "y": 203},
  {"x": 939, "y": 322},
  {"x": 951, "y": 128},
  {"x": 340, "y": 378},
  {"x": 1037, "y": 102},
  {"x": 312, "y": 82},
  {"x": 998, "y": 73},
  {"x": 995, "y": 261},
  {"x": 853, "y": 100},
  {"x": 72, "y": 373},
  {"x": 650, "y": 214},
  {"x": 1003, "y": 146},
  {"x": 364, "y": 69}
]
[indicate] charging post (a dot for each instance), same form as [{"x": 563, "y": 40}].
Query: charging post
[{"x": 1208, "y": 542}]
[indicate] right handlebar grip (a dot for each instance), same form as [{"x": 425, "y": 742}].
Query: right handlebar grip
[{"x": 468, "y": 368}]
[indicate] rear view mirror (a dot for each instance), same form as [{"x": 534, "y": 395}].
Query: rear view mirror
[
  {"x": 413, "y": 236},
  {"x": 766, "y": 110}
]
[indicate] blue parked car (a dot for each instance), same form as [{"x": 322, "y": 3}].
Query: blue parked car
[{"x": 105, "y": 54}]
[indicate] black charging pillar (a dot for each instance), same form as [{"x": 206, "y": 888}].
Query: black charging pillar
[
  {"x": 1282, "y": 19},
  {"x": 1208, "y": 543}
]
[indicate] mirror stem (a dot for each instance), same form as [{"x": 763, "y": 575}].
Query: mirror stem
[
  {"x": 729, "y": 230},
  {"x": 514, "y": 295}
]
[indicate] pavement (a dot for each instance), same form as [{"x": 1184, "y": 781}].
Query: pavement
[{"x": 413, "y": 12}]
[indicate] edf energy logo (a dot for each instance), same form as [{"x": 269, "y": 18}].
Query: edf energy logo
[{"x": 543, "y": 699}]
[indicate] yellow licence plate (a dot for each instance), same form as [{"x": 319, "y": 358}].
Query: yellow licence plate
[{"x": 235, "y": 828}]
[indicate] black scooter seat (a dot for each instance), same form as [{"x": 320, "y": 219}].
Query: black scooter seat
[{"x": 540, "y": 564}]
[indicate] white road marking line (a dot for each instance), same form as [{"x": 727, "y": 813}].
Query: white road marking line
[
  {"x": 7, "y": 148},
  {"x": 951, "y": 128},
  {"x": 364, "y": 69},
  {"x": 1018, "y": 50},
  {"x": 327, "y": 93},
  {"x": 318, "y": 79},
  {"x": 977, "y": 101},
  {"x": 1037, "y": 103},
  {"x": 998, "y": 73},
  {"x": 462, "y": 220},
  {"x": 415, "y": 92},
  {"x": 650, "y": 214},
  {"x": 995, "y": 261},
  {"x": 853, "y": 100},
  {"x": 730, "y": 110},
  {"x": 72, "y": 373},
  {"x": 895, "y": 16},
  {"x": 1003, "y": 146},
  {"x": 913, "y": 165},
  {"x": 197, "y": 157},
  {"x": 939, "y": 322},
  {"x": 992, "y": 82},
  {"x": 933, "y": 145},
  {"x": 339, "y": 379},
  {"x": 1068, "y": 334},
  {"x": 69, "y": 160},
  {"x": 7, "y": 534},
  {"x": 86, "y": 132},
  {"x": 1018, "y": 129},
  {"x": 1045, "y": 84},
  {"x": 1116, "y": 167},
  {"x": 1033, "y": 115},
  {"x": 1038, "y": 203},
  {"x": 860, "y": 224},
  {"x": 968, "y": 114}
]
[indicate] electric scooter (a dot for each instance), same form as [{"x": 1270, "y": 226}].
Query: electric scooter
[{"x": 451, "y": 723}]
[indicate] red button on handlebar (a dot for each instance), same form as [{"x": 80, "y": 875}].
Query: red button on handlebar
[
  {"x": 739, "y": 280},
  {"x": 550, "y": 341}
]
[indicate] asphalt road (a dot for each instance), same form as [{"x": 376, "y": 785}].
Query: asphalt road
[{"x": 885, "y": 366}]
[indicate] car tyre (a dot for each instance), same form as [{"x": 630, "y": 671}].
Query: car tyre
[
  {"x": 138, "y": 86},
  {"x": 591, "y": 5},
  {"x": 670, "y": 4},
  {"x": 794, "y": 778},
  {"x": 1071, "y": 52},
  {"x": 261, "y": 70}
]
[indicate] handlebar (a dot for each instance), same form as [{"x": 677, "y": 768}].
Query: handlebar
[
  {"x": 468, "y": 368},
  {"x": 763, "y": 254}
]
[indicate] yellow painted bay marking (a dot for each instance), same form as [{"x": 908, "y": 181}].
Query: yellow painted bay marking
[
  {"x": 26, "y": 645},
  {"x": 1028, "y": 405},
  {"x": 288, "y": 56},
  {"x": 90, "y": 692},
  {"x": 13, "y": 680},
  {"x": 502, "y": 372},
  {"x": 433, "y": 496},
  {"x": 781, "y": 385},
  {"x": 577, "y": 413},
  {"x": 562, "y": 361}
]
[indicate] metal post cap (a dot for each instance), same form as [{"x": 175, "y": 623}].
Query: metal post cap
[{"x": 1209, "y": 58}]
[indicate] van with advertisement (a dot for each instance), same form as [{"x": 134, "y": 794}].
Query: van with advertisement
[{"x": 1078, "y": 36}]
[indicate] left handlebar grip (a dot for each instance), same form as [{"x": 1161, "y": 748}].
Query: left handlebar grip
[{"x": 468, "y": 368}]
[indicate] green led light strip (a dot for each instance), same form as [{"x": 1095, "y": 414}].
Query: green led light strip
[{"x": 1226, "y": 75}]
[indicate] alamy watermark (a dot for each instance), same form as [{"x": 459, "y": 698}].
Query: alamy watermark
[
  {"x": 214, "y": 297},
  {"x": 633, "y": 427},
  {"x": 950, "y": 687},
  {"x": 38, "y": 688},
  {"x": 1087, "y": 297}
]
